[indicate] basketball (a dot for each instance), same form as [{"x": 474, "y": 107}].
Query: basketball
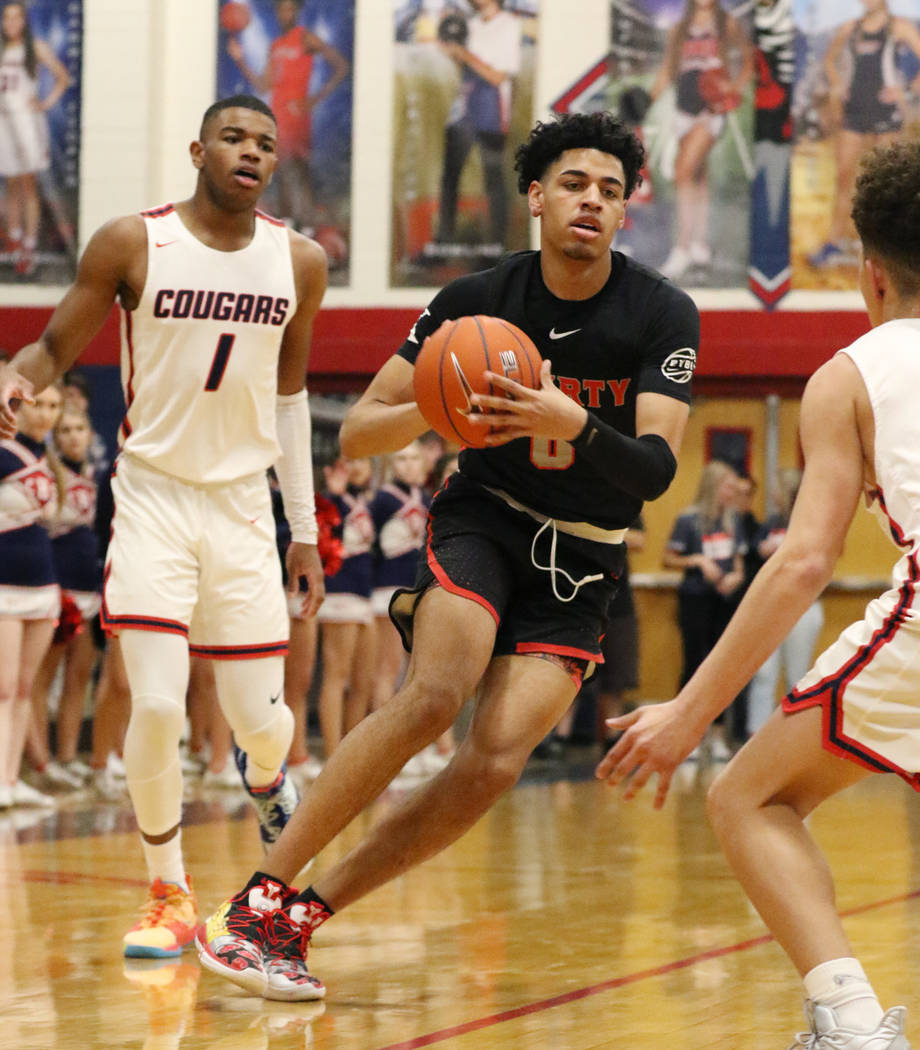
[
  {"x": 451, "y": 366},
  {"x": 234, "y": 17}
]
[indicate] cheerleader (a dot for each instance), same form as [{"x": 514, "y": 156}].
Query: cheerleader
[
  {"x": 75, "y": 550},
  {"x": 346, "y": 617},
  {"x": 30, "y": 599}
]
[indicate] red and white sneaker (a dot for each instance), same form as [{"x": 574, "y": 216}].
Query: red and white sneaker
[
  {"x": 168, "y": 923},
  {"x": 284, "y": 955},
  {"x": 231, "y": 941}
]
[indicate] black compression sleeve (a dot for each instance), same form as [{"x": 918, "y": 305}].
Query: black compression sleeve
[{"x": 643, "y": 466}]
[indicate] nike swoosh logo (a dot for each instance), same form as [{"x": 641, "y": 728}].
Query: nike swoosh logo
[
  {"x": 553, "y": 334},
  {"x": 273, "y": 699},
  {"x": 163, "y": 244}
]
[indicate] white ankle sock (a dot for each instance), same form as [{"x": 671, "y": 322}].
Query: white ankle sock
[
  {"x": 842, "y": 985},
  {"x": 164, "y": 861}
]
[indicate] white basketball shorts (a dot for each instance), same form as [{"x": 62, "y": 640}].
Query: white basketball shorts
[
  {"x": 868, "y": 683},
  {"x": 195, "y": 560}
]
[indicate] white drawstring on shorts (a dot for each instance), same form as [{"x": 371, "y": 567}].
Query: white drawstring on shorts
[{"x": 553, "y": 569}]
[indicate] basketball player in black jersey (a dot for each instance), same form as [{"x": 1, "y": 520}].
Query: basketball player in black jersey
[{"x": 525, "y": 541}]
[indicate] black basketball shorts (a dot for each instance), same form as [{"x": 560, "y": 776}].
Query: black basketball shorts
[{"x": 480, "y": 547}]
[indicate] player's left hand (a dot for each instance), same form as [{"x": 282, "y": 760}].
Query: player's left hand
[
  {"x": 13, "y": 389},
  {"x": 524, "y": 412},
  {"x": 656, "y": 739},
  {"x": 302, "y": 560}
]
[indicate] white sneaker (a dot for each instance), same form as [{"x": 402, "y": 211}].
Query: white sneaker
[
  {"x": 106, "y": 786},
  {"x": 6, "y": 796},
  {"x": 414, "y": 769},
  {"x": 116, "y": 766},
  {"x": 676, "y": 264},
  {"x": 826, "y": 1034},
  {"x": 79, "y": 769},
  {"x": 23, "y": 794},
  {"x": 227, "y": 779},
  {"x": 55, "y": 776},
  {"x": 719, "y": 751},
  {"x": 433, "y": 761}
]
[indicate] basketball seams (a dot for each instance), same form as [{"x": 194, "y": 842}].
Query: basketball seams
[
  {"x": 440, "y": 376},
  {"x": 523, "y": 357}
]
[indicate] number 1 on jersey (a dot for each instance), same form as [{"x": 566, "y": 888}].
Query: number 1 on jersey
[{"x": 219, "y": 364}]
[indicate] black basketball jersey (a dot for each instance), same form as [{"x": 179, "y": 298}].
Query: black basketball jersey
[{"x": 638, "y": 334}]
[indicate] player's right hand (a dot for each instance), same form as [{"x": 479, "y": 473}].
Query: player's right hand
[{"x": 13, "y": 389}]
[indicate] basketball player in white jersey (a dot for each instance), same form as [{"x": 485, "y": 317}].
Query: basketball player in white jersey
[
  {"x": 857, "y": 711},
  {"x": 218, "y": 302}
]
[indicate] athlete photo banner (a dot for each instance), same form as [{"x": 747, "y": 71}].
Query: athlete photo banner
[
  {"x": 41, "y": 48},
  {"x": 297, "y": 56},
  {"x": 857, "y": 85},
  {"x": 684, "y": 75},
  {"x": 456, "y": 208}
]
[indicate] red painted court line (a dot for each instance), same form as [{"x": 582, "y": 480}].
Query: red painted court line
[
  {"x": 617, "y": 982},
  {"x": 71, "y": 878}
]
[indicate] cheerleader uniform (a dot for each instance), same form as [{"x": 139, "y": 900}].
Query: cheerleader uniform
[
  {"x": 348, "y": 592},
  {"x": 74, "y": 542},
  {"x": 28, "y": 498},
  {"x": 400, "y": 513}
]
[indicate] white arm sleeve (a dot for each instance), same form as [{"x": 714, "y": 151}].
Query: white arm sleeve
[{"x": 295, "y": 467}]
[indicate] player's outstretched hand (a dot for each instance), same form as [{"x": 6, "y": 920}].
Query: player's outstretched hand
[
  {"x": 522, "y": 412},
  {"x": 302, "y": 560},
  {"x": 656, "y": 739},
  {"x": 13, "y": 389}
]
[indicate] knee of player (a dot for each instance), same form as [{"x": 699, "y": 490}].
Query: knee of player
[
  {"x": 268, "y": 744},
  {"x": 434, "y": 703},
  {"x": 724, "y": 803},
  {"x": 160, "y": 715},
  {"x": 491, "y": 768}
]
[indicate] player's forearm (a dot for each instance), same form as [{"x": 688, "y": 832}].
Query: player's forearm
[
  {"x": 373, "y": 427},
  {"x": 37, "y": 363}
]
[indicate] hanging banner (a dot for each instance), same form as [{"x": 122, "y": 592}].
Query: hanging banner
[
  {"x": 463, "y": 100},
  {"x": 297, "y": 56},
  {"x": 41, "y": 47}
]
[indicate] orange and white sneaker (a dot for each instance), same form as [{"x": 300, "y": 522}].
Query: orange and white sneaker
[{"x": 169, "y": 921}]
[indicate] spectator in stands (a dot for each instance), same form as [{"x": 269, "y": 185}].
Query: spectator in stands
[
  {"x": 794, "y": 656},
  {"x": 704, "y": 544}
]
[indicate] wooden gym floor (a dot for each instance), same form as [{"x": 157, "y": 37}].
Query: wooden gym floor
[{"x": 566, "y": 920}]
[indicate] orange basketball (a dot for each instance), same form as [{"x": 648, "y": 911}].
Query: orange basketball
[
  {"x": 234, "y": 17},
  {"x": 452, "y": 364}
]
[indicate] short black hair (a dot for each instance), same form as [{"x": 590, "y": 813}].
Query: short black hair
[
  {"x": 886, "y": 210},
  {"x": 235, "y": 102},
  {"x": 601, "y": 131},
  {"x": 78, "y": 381}
]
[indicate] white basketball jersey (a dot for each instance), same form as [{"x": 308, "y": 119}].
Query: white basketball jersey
[
  {"x": 17, "y": 88},
  {"x": 199, "y": 357},
  {"x": 888, "y": 359}
]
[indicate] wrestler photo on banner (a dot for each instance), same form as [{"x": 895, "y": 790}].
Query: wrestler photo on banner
[
  {"x": 41, "y": 45},
  {"x": 857, "y": 86},
  {"x": 683, "y": 73},
  {"x": 297, "y": 56},
  {"x": 463, "y": 91}
]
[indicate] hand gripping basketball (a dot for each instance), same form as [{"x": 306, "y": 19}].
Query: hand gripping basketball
[{"x": 451, "y": 367}]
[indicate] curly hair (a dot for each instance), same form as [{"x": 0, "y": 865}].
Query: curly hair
[
  {"x": 886, "y": 210},
  {"x": 601, "y": 131}
]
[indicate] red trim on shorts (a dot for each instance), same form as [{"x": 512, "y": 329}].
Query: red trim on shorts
[
  {"x": 111, "y": 624},
  {"x": 239, "y": 652},
  {"x": 828, "y": 693},
  {"x": 558, "y": 650},
  {"x": 448, "y": 584}
]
